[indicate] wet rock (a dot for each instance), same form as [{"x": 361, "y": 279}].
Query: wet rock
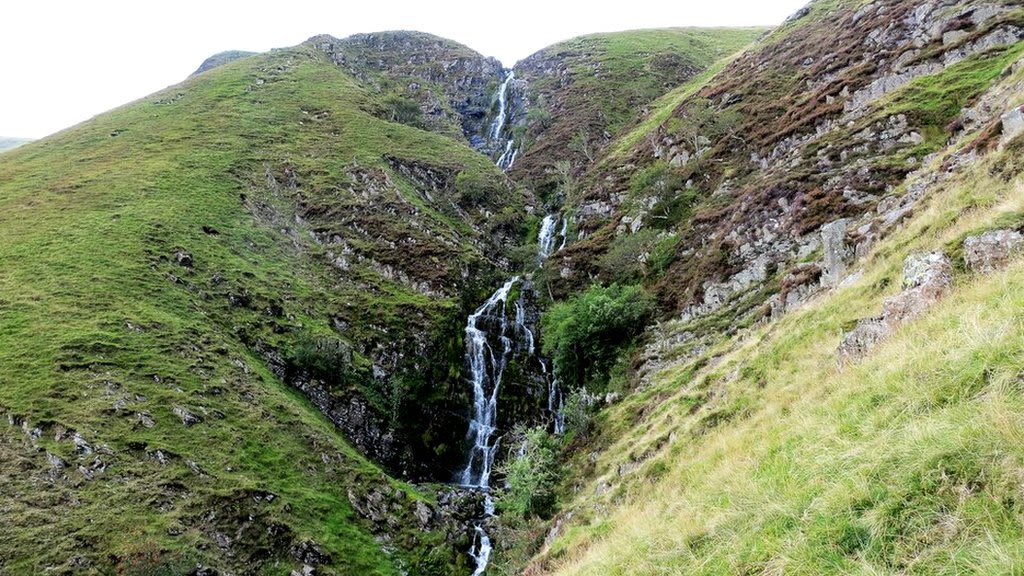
[
  {"x": 992, "y": 250},
  {"x": 306, "y": 570},
  {"x": 187, "y": 418}
]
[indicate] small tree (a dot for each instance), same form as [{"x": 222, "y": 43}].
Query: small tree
[
  {"x": 580, "y": 142},
  {"x": 403, "y": 110},
  {"x": 531, "y": 474},
  {"x": 584, "y": 334},
  {"x": 578, "y": 412},
  {"x": 701, "y": 125}
]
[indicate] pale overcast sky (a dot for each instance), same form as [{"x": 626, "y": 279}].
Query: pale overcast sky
[{"x": 65, "y": 61}]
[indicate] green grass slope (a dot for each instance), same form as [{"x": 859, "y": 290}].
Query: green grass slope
[
  {"x": 585, "y": 91},
  {"x": 760, "y": 456},
  {"x": 163, "y": 265}
]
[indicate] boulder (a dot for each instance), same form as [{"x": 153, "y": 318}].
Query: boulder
[
  {"x": 310, "y": 552},
  {"x": 926, "y": 277},
  {"x": 1013, "y": 124},
  {"x": 991, "y": 250},
  {"x": 187, "y": 418},
  {"x": 860, "y": 340}
]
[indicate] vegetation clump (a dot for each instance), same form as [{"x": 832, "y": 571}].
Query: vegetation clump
[{"x": 584, "y": 333}]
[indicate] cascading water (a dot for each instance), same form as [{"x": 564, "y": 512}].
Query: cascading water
[
  {"x": 487, "y": 352},
  {"x": 546, "y": 239},
  {"x": 491, "y": 338},
  {"x": 508, "y": 149},
  {"x": 499, "y": 120}
]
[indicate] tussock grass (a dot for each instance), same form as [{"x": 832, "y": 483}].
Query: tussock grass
[{"x": 909, "y": 462}]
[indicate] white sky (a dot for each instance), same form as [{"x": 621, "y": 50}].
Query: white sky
[{"x": 64, "y": 61}]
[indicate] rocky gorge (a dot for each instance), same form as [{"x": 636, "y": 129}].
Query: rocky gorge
[{"x": 381, "y": 305}]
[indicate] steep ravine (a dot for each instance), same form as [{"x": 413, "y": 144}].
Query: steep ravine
[{"x": 494, "y": 333}]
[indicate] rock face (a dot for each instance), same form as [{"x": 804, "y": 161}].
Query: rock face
[
  {"x": 992, "y": 250},
  {"x": 926, "y": 277},
  {"x": 833, "y": 239},
  {"x": 453, "y": 85},
  {"x": 822, "y": 151}
]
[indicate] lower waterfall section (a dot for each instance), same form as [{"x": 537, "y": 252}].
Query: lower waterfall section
[{"x": 494, "y": 334}]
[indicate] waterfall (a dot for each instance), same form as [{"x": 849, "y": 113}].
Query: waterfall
[
  {"x": 491, "y": 339},
  {"x": 499, "y": 120},
  {"x": 508, "y": 149},
  {"x": 487, "y": 352},
  {"x": 546, "y": 238},
  {"x": 481, "y": 551}
]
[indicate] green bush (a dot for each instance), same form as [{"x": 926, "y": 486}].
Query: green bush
[
  {"x": 475, "y": 189},
  {"x": 403, "y": 110},
  {"x": 578, "y": 412},
  {"x": 627, "y": 257},
  {"x": 531, "y": 476},
  {"x": 323, "y": 357},
  {"x": 584, "y": 334}
]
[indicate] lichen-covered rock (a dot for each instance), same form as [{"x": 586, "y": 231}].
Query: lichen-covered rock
[
  {"x": 310, "y": 552},
  {"x": 926, "y": 277},
  {"x": 833, "y": 238},
  {"x": 991, "y": 250},
  {"x": 187, "y": 417},
  {"x": 1013, "y": 124},
  {"x": 864, "y": 337}
]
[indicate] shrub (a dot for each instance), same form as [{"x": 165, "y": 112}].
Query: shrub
[
  {"x": 403, "y": 110},
  {"x": 578, "y": 412},
  {"x": 627, "y": 257},
  {"x": 322, "y": 357},
  {"x": 475, "y": 189},
  {"x": 584, "y": 334},
  {"x": 531, "y": 475}
]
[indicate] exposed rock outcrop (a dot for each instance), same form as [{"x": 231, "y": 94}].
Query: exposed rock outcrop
[
  {"x": 926, "y": 277},
  {"x": 992, "y": 250},
  {"x": 452, "y": 85}
]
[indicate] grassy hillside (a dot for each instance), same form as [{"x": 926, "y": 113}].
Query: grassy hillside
[
  {"x": 585, "y": 91},
  {"x": 726, "y": 440},
  {"x": 165, "y": 265},
  {"x": 761, "y": 456}
]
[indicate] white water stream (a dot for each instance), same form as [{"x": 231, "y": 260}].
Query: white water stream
[
  {"x": 491, "y": 338},
  {"x": 509, "y": 152}
]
